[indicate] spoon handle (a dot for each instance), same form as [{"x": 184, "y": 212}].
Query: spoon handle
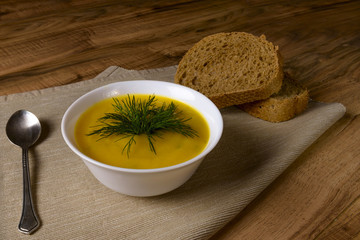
[{"x": 28, "y": 221}]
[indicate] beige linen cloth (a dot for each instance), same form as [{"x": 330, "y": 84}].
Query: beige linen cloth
[{"x": 72, "y": 204}]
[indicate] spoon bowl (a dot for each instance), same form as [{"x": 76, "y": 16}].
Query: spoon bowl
[{"x": 23, "y": 129}]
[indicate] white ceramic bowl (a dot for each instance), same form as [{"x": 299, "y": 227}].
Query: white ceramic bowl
[{"x": 143, "y": 182}]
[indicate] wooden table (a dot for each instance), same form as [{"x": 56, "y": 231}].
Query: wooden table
[{"x": 50, "y": 43}]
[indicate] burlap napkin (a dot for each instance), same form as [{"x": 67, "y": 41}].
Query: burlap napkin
[{"x": 72, "y": 204}]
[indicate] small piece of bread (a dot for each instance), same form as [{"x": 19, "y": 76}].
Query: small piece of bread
[
  {"x": 290, "y": 101},
  {"x": 232, "y": 68}
]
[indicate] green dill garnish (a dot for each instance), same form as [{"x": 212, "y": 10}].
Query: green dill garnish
[{"x": 133, "y": 117}]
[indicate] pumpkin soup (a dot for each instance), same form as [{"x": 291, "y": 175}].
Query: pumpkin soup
[{"x": 182, "y": 137}]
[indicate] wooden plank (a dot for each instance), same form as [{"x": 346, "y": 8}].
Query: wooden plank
[
  {"x": 81, "y": 42},
  {"x": 346, "y": 225}
]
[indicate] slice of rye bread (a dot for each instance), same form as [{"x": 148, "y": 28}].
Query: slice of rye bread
[
  {"x": 291, "y": 100},
  {"x": 232, "y": 68}
]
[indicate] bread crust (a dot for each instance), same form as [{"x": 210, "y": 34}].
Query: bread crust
[{"x": 282, "y": 106}]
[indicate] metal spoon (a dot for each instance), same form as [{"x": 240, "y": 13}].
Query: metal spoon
[{"x": 23, "y": 129}]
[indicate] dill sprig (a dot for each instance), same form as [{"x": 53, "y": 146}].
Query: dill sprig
[{"x": 133, "y": 117}]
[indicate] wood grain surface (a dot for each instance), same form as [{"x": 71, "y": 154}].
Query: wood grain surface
[{"x": 51, "y": 43}]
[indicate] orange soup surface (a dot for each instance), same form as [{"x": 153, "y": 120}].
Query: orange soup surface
[{"x": 171, "y": 148}]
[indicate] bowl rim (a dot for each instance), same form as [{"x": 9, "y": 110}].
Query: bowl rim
[{"x": 206, "y": 150}]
